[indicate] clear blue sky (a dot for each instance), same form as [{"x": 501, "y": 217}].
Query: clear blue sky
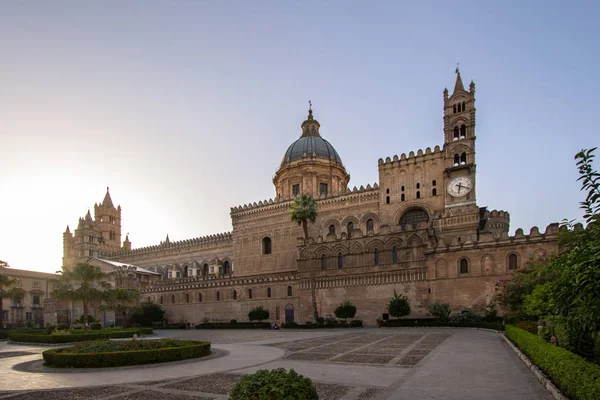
[{"x": 185, "y": 108}]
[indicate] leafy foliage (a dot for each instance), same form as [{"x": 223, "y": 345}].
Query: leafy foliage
[
  {"x": 441, "y": 311},
  {"x": 277, "y": 384},
  {"x": 575, "y": 377},
  {"x": 121, "y": 301},
  {"x": 345, "y": 310},
  {"x": 258, "y": 314},
  {"x": 102, "y": 346},
  {"x": 399, "y": 306}
]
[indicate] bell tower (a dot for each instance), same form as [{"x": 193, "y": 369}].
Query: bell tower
[
  {"x": 108, "y": 221},
  {"x": 459, "y": 143}
]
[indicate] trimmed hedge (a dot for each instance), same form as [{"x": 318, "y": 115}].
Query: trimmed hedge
[
  {"x": 58, "y": 359},
  {"x": 236, "y": 325},
  {"x": 575, "y": 377},
  {"x": 498, "y": 326},
  {"x": 357, "y": 323},
  {"x": 72, "y": 338}
]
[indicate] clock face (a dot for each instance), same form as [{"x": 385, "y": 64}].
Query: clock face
[{"x": 460, "y": 186}]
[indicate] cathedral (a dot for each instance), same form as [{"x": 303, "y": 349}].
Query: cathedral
[{"x": 418, "y": 231}]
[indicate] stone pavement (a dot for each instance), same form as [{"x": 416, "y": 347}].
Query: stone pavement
[{"x": 369, "y": 363}]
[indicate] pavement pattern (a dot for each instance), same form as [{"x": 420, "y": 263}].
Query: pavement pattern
[{"x": 349, "y": 364}]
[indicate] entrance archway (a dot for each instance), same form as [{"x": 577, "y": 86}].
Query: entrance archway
[{"x": 289, "y": 313}]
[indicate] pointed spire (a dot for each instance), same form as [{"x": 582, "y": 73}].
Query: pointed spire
[
  {"x": 458, "y": 86},
  {"x": 167, "y": 239},
  {"x": 127, "y": 238},
  {"x": 88, "y": 216},
  {"x": 107, "y": 202},
  {"x": 68, "y": 230}
]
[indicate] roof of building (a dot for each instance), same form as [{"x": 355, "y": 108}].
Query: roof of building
[
  {"x": 27, "y": 273},
  {"x": 311, "y": 144},
  {"x": 120, "y": 264}
]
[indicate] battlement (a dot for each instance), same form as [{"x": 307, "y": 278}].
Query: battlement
[
  {"x": 411, "y": 158},
  {"x": 218, "y": 239},
  {"x": 277, "y": 203}
]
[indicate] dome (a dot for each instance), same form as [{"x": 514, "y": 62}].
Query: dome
[{"x": 312, "y": 146}]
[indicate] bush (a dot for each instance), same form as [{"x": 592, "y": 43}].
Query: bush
[
  {"x": 575, "y": 377},
  {"x": 345, "y": 310},
  {"x": 399, "y": 306},
  {"x": 277, "y": 384},
  {"x": 147, "y": 313},
  {"x": 441, "y": 311},
  {"x": 72, "y": 338},
  {"x": 258, "y": 314},
  {"x": 237, "y": 325},
  {"x": 233, "y": 321},
  {"x": 96, "y": 326},
  {"x": 452, "y": 324},
  {"x": 63, "y": 327},
  {"x": 529, "y": 326},
  {"x": 356, "y": 323},
  {"x": 50, "y": 329},
  {"x": 62, "y": 358},
  {"x": 290, "y": 325}
]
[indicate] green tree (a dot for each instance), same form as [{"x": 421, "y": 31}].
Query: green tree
[
  {"x": 345, "y": 310},
  {"x": 122, "y": 301},
  {"x": 85, "y": 283},
  {"x": 304, "y": 210},
  {"x": 399, "y": 306},
  {"x": 441, "y": 311},
  {"x": 258, "y": 314},
  {"x": 147, "y": 313},
  {"x": 6, "y": 283}
]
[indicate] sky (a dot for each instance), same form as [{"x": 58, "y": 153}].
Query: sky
[{"x": 185, "y": 108}]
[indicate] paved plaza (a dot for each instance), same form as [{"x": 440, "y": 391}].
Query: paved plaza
[{"x": 369, "y": 363}]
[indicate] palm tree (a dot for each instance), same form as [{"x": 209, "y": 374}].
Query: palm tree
[
  {"x": 121, "y": 301},
  {"x": 302, "y": 211},
  {"x": 84, "y": 283},
  {"x": 6, "y": 283}
]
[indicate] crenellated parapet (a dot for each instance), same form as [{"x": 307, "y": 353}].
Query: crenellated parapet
[
  {"x": 219, "y": 239},
  {"x": 494, "y": 221},
  {"x": 278, "y": 204},
  {"x": 208, "y": 282},
  {"x": 412, "y": 158}
]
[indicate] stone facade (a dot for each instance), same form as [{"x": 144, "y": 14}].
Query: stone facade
[{"x": 419, "y": 231}]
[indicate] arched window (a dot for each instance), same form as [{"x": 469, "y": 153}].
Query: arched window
[
  {"x": 418, "y": 195},
  {"x": 418, "y": 186},
  {"x": 456, "y": 134},
  {"x": 395, "y": 255},
  {"x": 512, "y": 262},
  {"x": 266, "y": 245},
  {"x": 369, "y": 225},
  {"x": 350, "y": 229},
  {"x": 463, "y": 158},
  {"x": 402, "y": 188},
  {"x": 433, "y": 182},
  {"x": 463, "y": 131},
  {"x": 323, "y": 262},
  {"x": 173, "y": 298},
  {"x": 218, "y": 296},
  {"x": 434, "y": 192},
  {"x": 161, "y": 300},
  {"x": 464, "y": 266},
  {"x": 412, "y": 218},
  {"x": 199, "y": 297},
  {"x": 387, "y": 200},
  {"x": 205, "y": 270},
  {"x": 376, "y": 256},
  {"x": 269, "y": 292},
  {"x": 187, "y": 297},
  {"x": 463, "y": 106},
  {"x": 185, "y": 271},
  {"x": 234, "y": 294},
  {"x": 340, "y": 260},
  {"x": 387, "y": 191},
  {"x": 249, "y": 293},
  {"x": 226, "y": 267},
  {"x": 454, "y": 109},
  {"x": 332, "y": 229},
  {"x": 402, "y": 197},
  {"x": 456, "y": 160},
  {"x": 289, "y": 291}
]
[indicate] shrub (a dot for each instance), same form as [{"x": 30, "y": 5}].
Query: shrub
[
  {"x": 65, "y": 358},
  {"x": 63, "y": 327},
  {"x": 65, "y": 337},
  {"x": 233, "y": 321},
  {"x": 399, "y": 306},
  {"x": 466, "y": 318},
  {"x": 345, "y": 310},
  {"x": 50, "y": 329},
  {"x": 290, "y": 325},
  {"x": 529, "y": 326},
  {"x": 96, "y": 326},
  {"x": 441, "y": 311},
  {"x": 147, "y": 313},
  {"x": 258, "y": 314},
  {"x": 355, "y": 323},
  {"x": 575, "y": 377},
  {"x": 277, "y": 384},
  {"x": 237, "y": 325}
]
